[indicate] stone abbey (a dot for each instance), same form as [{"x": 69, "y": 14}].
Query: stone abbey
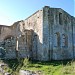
[{"x": 48, "y": 34}]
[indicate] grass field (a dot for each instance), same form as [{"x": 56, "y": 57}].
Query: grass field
[{"x": 66, "y": 67}]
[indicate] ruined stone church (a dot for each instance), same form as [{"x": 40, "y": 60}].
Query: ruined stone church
[{"x": 48, "y": 34}]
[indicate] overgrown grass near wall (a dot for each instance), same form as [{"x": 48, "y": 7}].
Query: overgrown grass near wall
[{"x": 46, "y": 68}]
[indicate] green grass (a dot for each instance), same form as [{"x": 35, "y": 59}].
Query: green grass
[{"x": 66, "y": 67}]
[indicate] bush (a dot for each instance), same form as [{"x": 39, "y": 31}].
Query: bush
[{"x": 26, "y": 62}]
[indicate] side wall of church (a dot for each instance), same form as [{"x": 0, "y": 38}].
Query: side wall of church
[
  {"x": 73, "y": 24},
  {"x": 34, "y": 22}
]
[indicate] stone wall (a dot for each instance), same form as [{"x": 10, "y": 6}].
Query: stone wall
[
  {"x": 46, "y": 35},
  {"x": 8, "y": 42},
  {"x": 35, "y": 22},
  {"x": 4, "y": 31},
  {"x": 73, "y": 30},
  {"x": 58, "y": 34}
]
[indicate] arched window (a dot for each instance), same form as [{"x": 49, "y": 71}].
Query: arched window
[{"x": 60, "y": 19}]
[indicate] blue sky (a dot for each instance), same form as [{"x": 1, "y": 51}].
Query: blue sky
[{"x": 15, "y": 10}]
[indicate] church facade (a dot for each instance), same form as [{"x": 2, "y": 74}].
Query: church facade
[{"x": 48, "y": 34}]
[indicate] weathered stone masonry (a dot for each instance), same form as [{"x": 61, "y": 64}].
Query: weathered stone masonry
[{"x": 46, "y": 35}]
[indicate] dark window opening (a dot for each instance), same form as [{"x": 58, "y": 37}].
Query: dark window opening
[
  {"x": 58, "y": 39},
  {"x": 65, "y": 40},
  {"x": 60, "y": 18}
]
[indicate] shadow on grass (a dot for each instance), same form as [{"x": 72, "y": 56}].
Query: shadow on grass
[
  {"x": 14, "y": 64},
  {"x": 53, "y": 62}
]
